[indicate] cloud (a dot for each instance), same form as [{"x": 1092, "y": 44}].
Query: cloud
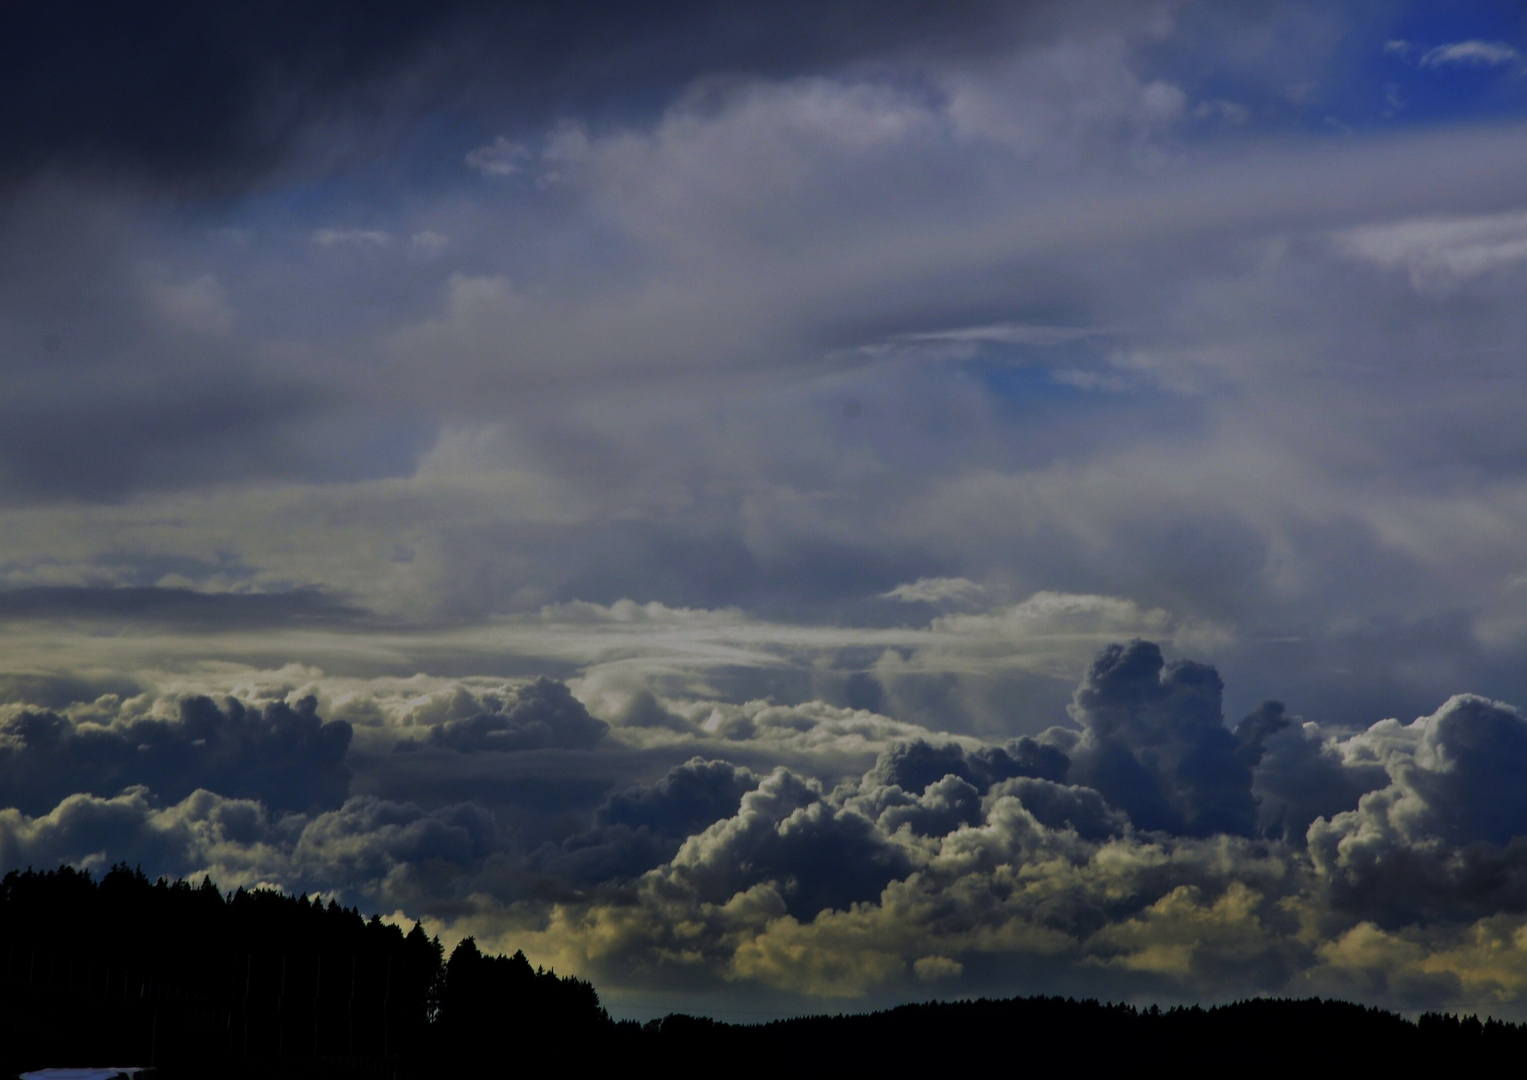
[
  {"x": 785, "y": 833},
  {"x": 763, "y": 421},
  {"x": 1304, "y": 772},
  {"x": 1061, "y": 806},
  {"x": 283, "y": 755},
  {"x": 643, "y": 826},
  {"x": 1441, "y": 256},
  {"x": 1154, "y": 743},
  {"x": 501, "y": 157},
  {"x": 1050, "y": 613},
  {"x": 912, "y": 766},
  {"x": 1473, "y": 53},
  {"x": 1448, "y": 834},
  {"x": 235, "y": 95},
  {"x": 177, "y": 606},
  {"x": 327, "y": 238},
  {"x": 989, "y": 867},
  {"x": 1226, "y": 112},
  {"x": 369, "y": 850},
  {"x": 376, "y": 846},
  {"x": 1007, "y": 334},
  {"x": 541, "y": 715},
  {"x": 955, "y": 592},
  {"x": 200, "y": 305},
  {"x": 429, "y": 244}
]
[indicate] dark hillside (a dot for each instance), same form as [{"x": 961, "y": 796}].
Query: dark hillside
[
  {"x": 129, "y": 970},
  {"x": 1250, "y": 1037},
  {"x": 257, "y": 984}
]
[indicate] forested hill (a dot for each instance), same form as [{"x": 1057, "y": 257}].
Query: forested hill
[
  {"x": 201, "y": 983},
  {"x": 132, "y": 971}
]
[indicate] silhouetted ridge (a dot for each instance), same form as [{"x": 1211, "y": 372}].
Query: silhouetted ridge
[
  {"x": 125, "y": 969},
  {"x": 1256, "y": 1037},
  {"x": 260, "y": 984}
]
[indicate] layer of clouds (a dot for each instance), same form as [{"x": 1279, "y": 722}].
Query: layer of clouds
[
  {"x": 539, "y": 716},
  {"x": 648, "y": 487},
  {"x": 1138, "y": 846},
  {"x": 284, "y": 755},
  {"x": 194, "y": 98}
]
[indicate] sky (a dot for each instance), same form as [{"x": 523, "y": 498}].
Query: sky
[{"x": 790, "y": 507}]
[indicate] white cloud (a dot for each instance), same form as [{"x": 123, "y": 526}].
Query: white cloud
[
  {"x": 1010, "y": 334},
  {"x": 1047, "y": 614},
  {"x": 960, "y": 592},
  {"x": 428, "y": 243},
  {"x": 1441, "y": 254},
  {"x": 1227, "y": 112},
  {"x": 1471, "y": 53},
  {"x": 200, "y": 305},
  {"x": 501, "y": 157},
  {"x": 328, "y": 237}
]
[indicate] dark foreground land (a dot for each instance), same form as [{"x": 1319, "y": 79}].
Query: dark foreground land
[{"x": 125, "y": 971}]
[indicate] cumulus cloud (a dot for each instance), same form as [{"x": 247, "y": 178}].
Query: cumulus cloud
[
  {"x": 1147, "y": 848},
  {"x": 1062, "y": 806},
  {"x": 283, "y": 755},
  {"x": 368, "y": 849},
  {"x": 1155, "y": 744},
  {"x": 792, "y": 336},
  {"x": 787, "y": 835},
  {"x": 1447, "y": 835},
  {"x": 912, "y": 766},
  {"x": 541, "y": 715},
  {"x": 643, "y": 826},
  {"x": 1303, "y": 772}
]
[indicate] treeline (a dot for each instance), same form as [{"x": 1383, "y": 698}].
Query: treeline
[
  {"x": 1258, "y": 1037},
  {"x": 199, "y": 982},
  {"x": 128, "y": 971}
]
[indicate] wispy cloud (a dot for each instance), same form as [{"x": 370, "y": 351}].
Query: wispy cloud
[
  {"x": 329, "y": 237},
  {"x": 1470, "y": 53},
  {"x": 501, "y": 157}
]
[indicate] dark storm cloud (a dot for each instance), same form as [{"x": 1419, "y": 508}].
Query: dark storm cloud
[
  {"x": 1155, "y": 744},
  {"x": 83, "y": 824},
  {"x": 937, "y": 810},
  {"x": 912, "y": 766},
  {"x": 284, "y": 756},
  {"x": 818, "y": 854},
  {"x": 363, "y": 840},
  {"x": 218, "y": 94},
  {"x": 178, "y": 607},
  {"x": 186, "y": 90},
  {"x": 685, "y": 800},
  {"x": 1062, "y": 806},
  {"x": 1447, "y": 836},
  {"x": 542, "y": 715},
  {"x": 193, "y": 431},
  {"x": 934, "y": 790},
  {"x": 642, "y": 827},
  {"x": 1301, "y": 775},
  {"x": 934, "y": 849},
  {"x": 682, "y": 564},
  {"x": 368, "y": 850},
  {"x": 60, "y": 691}
]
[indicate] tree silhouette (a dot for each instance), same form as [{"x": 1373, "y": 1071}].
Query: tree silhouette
[{"x": 259, "y": 983}]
